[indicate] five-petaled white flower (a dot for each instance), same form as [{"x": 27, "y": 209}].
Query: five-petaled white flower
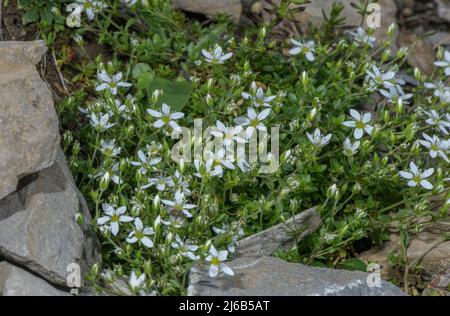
[
  {"x": 146, "y": 161},
  {"x": 393, "y": 95},
  {"x": 349, "y": 148},
  {"x": 436, "y": 146},
  {"x": 136, "y": 283},
  {"x": 228, "y": 134},
  {"x": 114, "y": 217},
  {"x": 306, "y": 48},
  {"x": 161, "y": 183},
  {"x": 109, "y": 148},
  {"x": 317, "y": 139},
  {"x": 219, "y": 159},
  {"x": 417, "y": 177},
  {"x": 207, "y": 169},
  {"x": 111, "y": 83},
  {"x": 258, "y": 97},
  {"x": 440, "y": 88},
  {"x": 92, "y": 7},
  {"x": 216, "y": 55},
  {"x": 360, "y": 123},
  {"x": 185, "y": 249},
  {"x": 179, "y": 205},
  {"x": 216, "y": 260},
  {"x": 165, "y": 117},
  {"x": 360, "y": 36},
  {"x": 253, "y": 121},
  {"x": 101, "y": 122},
  {"x": 444, "y": 63},
  {"x": 140, "y": 234},
  {"x": 378, "y": 79},
  {"x": 436, "y": 120}
]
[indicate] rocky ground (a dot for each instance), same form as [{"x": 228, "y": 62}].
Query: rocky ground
[{"x": 44, "y": 221}]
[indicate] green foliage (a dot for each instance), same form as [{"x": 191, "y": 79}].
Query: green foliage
[{"x": 358, "y": 194}]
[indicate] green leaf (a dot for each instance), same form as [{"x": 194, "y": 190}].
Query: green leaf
[
  {"x": 176, "y": 93},
  {"x": 31, "y": 16},
  {"x": 141, "y": 69},
  {"x": 354, "y": 265}
]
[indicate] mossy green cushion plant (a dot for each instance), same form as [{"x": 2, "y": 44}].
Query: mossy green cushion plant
[{"x": 354, "y": 139}]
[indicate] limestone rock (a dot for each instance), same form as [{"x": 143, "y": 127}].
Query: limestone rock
[
  {"x": 274, "y": 277},
  {"x": 210, "y": 8},
  {"x": 280, "y": 236},
  {"x": 443, "y": 9},
  {"x": 427, "y": 249},
  {"x": 29, "y": 125},
  {"x": 15, "y": 281},
  {"x": 38, "y": 228}
]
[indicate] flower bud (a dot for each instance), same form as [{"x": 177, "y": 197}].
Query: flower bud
[{"x": 391, "y": 30}]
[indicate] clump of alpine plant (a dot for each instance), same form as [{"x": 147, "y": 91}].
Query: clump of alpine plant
[{"x": 354, "y": 140}]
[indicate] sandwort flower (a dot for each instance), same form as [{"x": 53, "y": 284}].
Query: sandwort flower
[
  {"x": 111, "y": 83},
  {"x": 216, "y": 260},
  {"x": 216, "y": 55},
  {"x": 306, "y": 48},
  {"x": 360, "y": 123},
  {"x": 417, "y": 177},
  {"x": 113, "y": 216}
]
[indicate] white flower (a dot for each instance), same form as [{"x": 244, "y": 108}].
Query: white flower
[
  {"x": 216, "y": 260},
  {"x": 129, "y": 3},
  {"x": 136, "y": 283},
  {"x": 258, "y": 97},
  {"x": 416, "y": 176},
  {"x": 253, "y": 121},
  {"x": 219, "y": 159},
  {"x": 207, "y": 169},
  {"x": 178, "y": 205},
  {"x": 377, "y": 78},
  {"x": 349, "y": 148},
  {"x": 317, "y": 139},
  {"x": 228, "y": 134},
  {"x": 361, "y": 36},
  {"x": 141, "y": 234},
  {"x": 113, "y": 217},
  {"x": 109, "y": 148},
  {"x": 445, "y": 63},
  {"x": 111, "y": 83},
  {"x": 161, "y": 183},
  {"x": 393, "y": 95},
  {"x": 216, "y": 55},
  {"x": 435, "y": 119},
  {"x": 436, "y": 146},
  {"x": 101, "y": 122},
  {"x": 165, "y": 117},
  {"x": 92, "y": 7},
  {"x": 175, "y": 221},
  {"x": 306, "y": 48},
  {"x": 146, "y": 161},
  {"x": 360, "y": 123},
  {"x": 185, "y": 249},
  {"x": 440, "y": 89}
]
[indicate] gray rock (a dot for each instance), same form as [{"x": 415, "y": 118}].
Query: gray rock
[
  {"x": 281, "y": 236},
  {"x": 274, "y": 277},
  {"x": 427, "y": 249},
  {"x": 38, "y": 228},
  {"x": 15, "y": 281},
  {"x": 210, "y": 8},
  {"x": 29, "y": 125},
  {"x": 443, "y": 9}
]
